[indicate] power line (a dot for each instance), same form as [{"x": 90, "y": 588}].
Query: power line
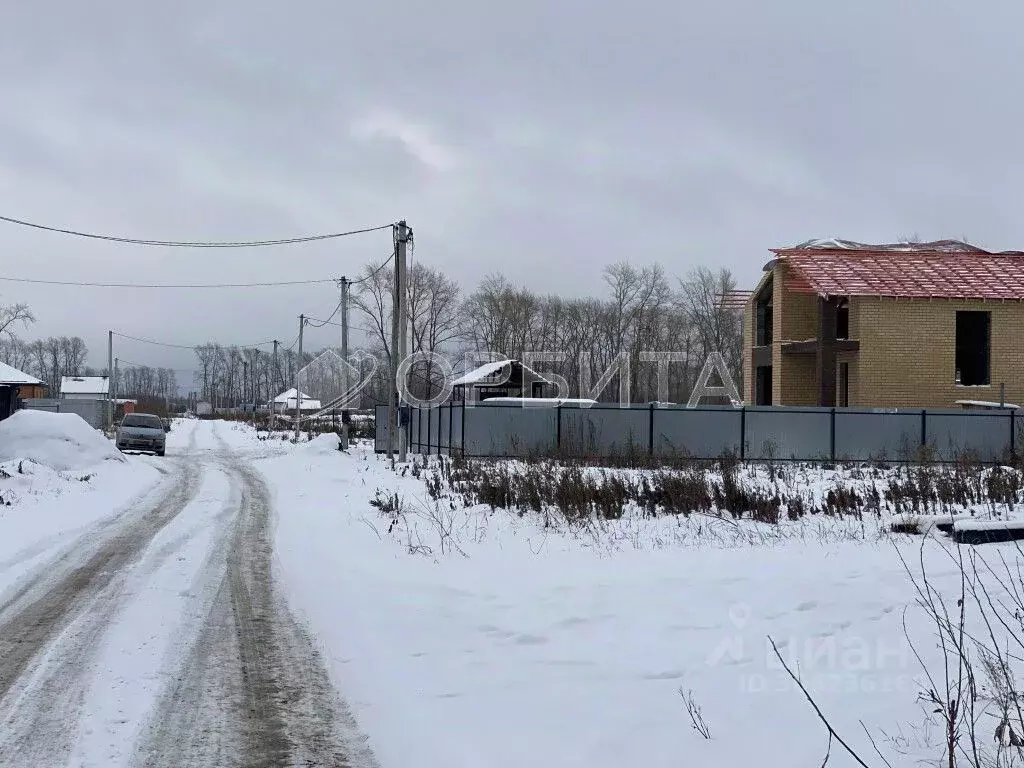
[
  {"x": 182, "y": 346},
  {"x": 192, "y": 243},
  {"x": 315, "y": 322},
  {"x": 166, "y": 285},
  {"x": 322, "y": 323},
  {"x": 374, "y": 272},
  {"x": 188, "y": 286},
  {"x": 290, "y": 346},
  {"x": 133, "y": 364}
]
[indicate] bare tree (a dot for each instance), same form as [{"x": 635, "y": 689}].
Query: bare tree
[
  {"x": 715, "y": 328},
  {"x": 11, "y": 314}
]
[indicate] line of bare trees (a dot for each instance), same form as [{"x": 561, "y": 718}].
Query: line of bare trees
[
  {"x": 643, "y": 309},
  {"x": 47, "y": 359},
  {"x": 146, "y": 383},
  {"x": 230, "y": 376}
]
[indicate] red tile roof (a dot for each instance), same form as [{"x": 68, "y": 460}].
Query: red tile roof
[{"x": 946, "y": 270}]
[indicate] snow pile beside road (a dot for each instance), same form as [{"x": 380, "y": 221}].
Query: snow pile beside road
[
  {"x": 61, "y": 441},
  {"x": 321, "y": 445}
]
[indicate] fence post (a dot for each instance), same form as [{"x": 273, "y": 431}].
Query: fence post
[
  {"x": 924, "y": 428},
  {"x": 558, "y": 428},
  {"x": 650, "y": 430},
  {"x": 451, "y": 421},
  {"x": 743, "y": 433},
  {"x": 1013, "y": 434},
  {"x": 832, "y": 435}
]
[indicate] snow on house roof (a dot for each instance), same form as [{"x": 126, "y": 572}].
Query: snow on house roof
[
  {"x": 487, "y": 370},
  {"x": 307, "y": 403},
  {"x": 945, "y": 269},
  {"x": 289, "y": 394},
  {"x": 11, "y": 375},
  {"x": 83, "y": 385},
  {"x": 482, "y": 373}
]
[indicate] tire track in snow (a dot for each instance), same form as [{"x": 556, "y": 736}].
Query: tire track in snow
[
  {"x": 50, "y": 628},
  {"x": 253, "y": 691}
]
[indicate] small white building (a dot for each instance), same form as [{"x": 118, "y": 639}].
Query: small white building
[
  {"x": 84, "y": 387},
  {"x": 285, "y": 402}
]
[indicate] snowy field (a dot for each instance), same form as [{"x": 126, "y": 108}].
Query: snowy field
[
  {"x": 470, "y": 636},
  {"x": 467, "y": 637}
]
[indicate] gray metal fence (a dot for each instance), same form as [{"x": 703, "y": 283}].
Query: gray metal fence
[
  {"x": 708, "y": 432},
  {"x": 93, "y": 411}
]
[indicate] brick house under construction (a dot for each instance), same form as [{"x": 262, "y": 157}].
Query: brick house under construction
[{"x": 837, "y": 323}]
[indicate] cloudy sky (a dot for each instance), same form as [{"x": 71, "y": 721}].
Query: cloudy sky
[{"x": 541, "y": 138}]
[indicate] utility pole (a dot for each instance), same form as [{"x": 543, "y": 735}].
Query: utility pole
[
  {"x": 344, "y": 361},
  {"x": 392, "y": 387},
  {"x": 276, "y": 378},
  {"x": 115, "y": 381},
  {"x": 110, "y": 380},
  {"x": 298, "y": 368},
  {"x": 254, "y": 384},
  {"x": 403, "y": 330},
  {"x": 245, "y": 382}
]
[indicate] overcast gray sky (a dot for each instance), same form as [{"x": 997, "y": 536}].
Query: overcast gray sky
[{"x": 542, "y": 139}]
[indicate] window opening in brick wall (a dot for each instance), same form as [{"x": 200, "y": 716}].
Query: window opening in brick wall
[
  {"x": 843, "y": 320},
  {"x": 763, "y": 316},
  {"x": 763, "y": 385},
  {"x": 973, "y": 348}
]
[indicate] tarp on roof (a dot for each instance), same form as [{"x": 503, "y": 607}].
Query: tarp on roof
[
  {"x": 83, "y": 385},
  {"x": 913, "y": 273},
  {"x": 839, "y": 244},
  {"x": 11, "y": 375}
]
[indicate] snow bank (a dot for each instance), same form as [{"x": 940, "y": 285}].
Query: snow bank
[
  {"x": 61, "y": 441},
  {"x": 321, "y": 444}
]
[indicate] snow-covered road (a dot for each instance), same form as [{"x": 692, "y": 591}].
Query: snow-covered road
[
  {"x": 245, "y": 602},
  {"x": 155, "y": 635}
]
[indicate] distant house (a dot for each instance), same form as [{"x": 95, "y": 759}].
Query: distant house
[
  {"x": 84, "y": 388},
  {"x": 12, "y": 382},
  {"x": 203, "y": 408},
  {"x": 285, "y": 402},
  {"x": 502, "y": 378}
]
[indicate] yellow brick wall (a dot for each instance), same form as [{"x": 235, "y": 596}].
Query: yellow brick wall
[
  {"x": 908, "y": 351},
  {"x": 795, "y": 379},
  {"x": 795, "y": 319},
  {"x": 796, "y": 314},
  {"x": 748, "y": 353}
]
